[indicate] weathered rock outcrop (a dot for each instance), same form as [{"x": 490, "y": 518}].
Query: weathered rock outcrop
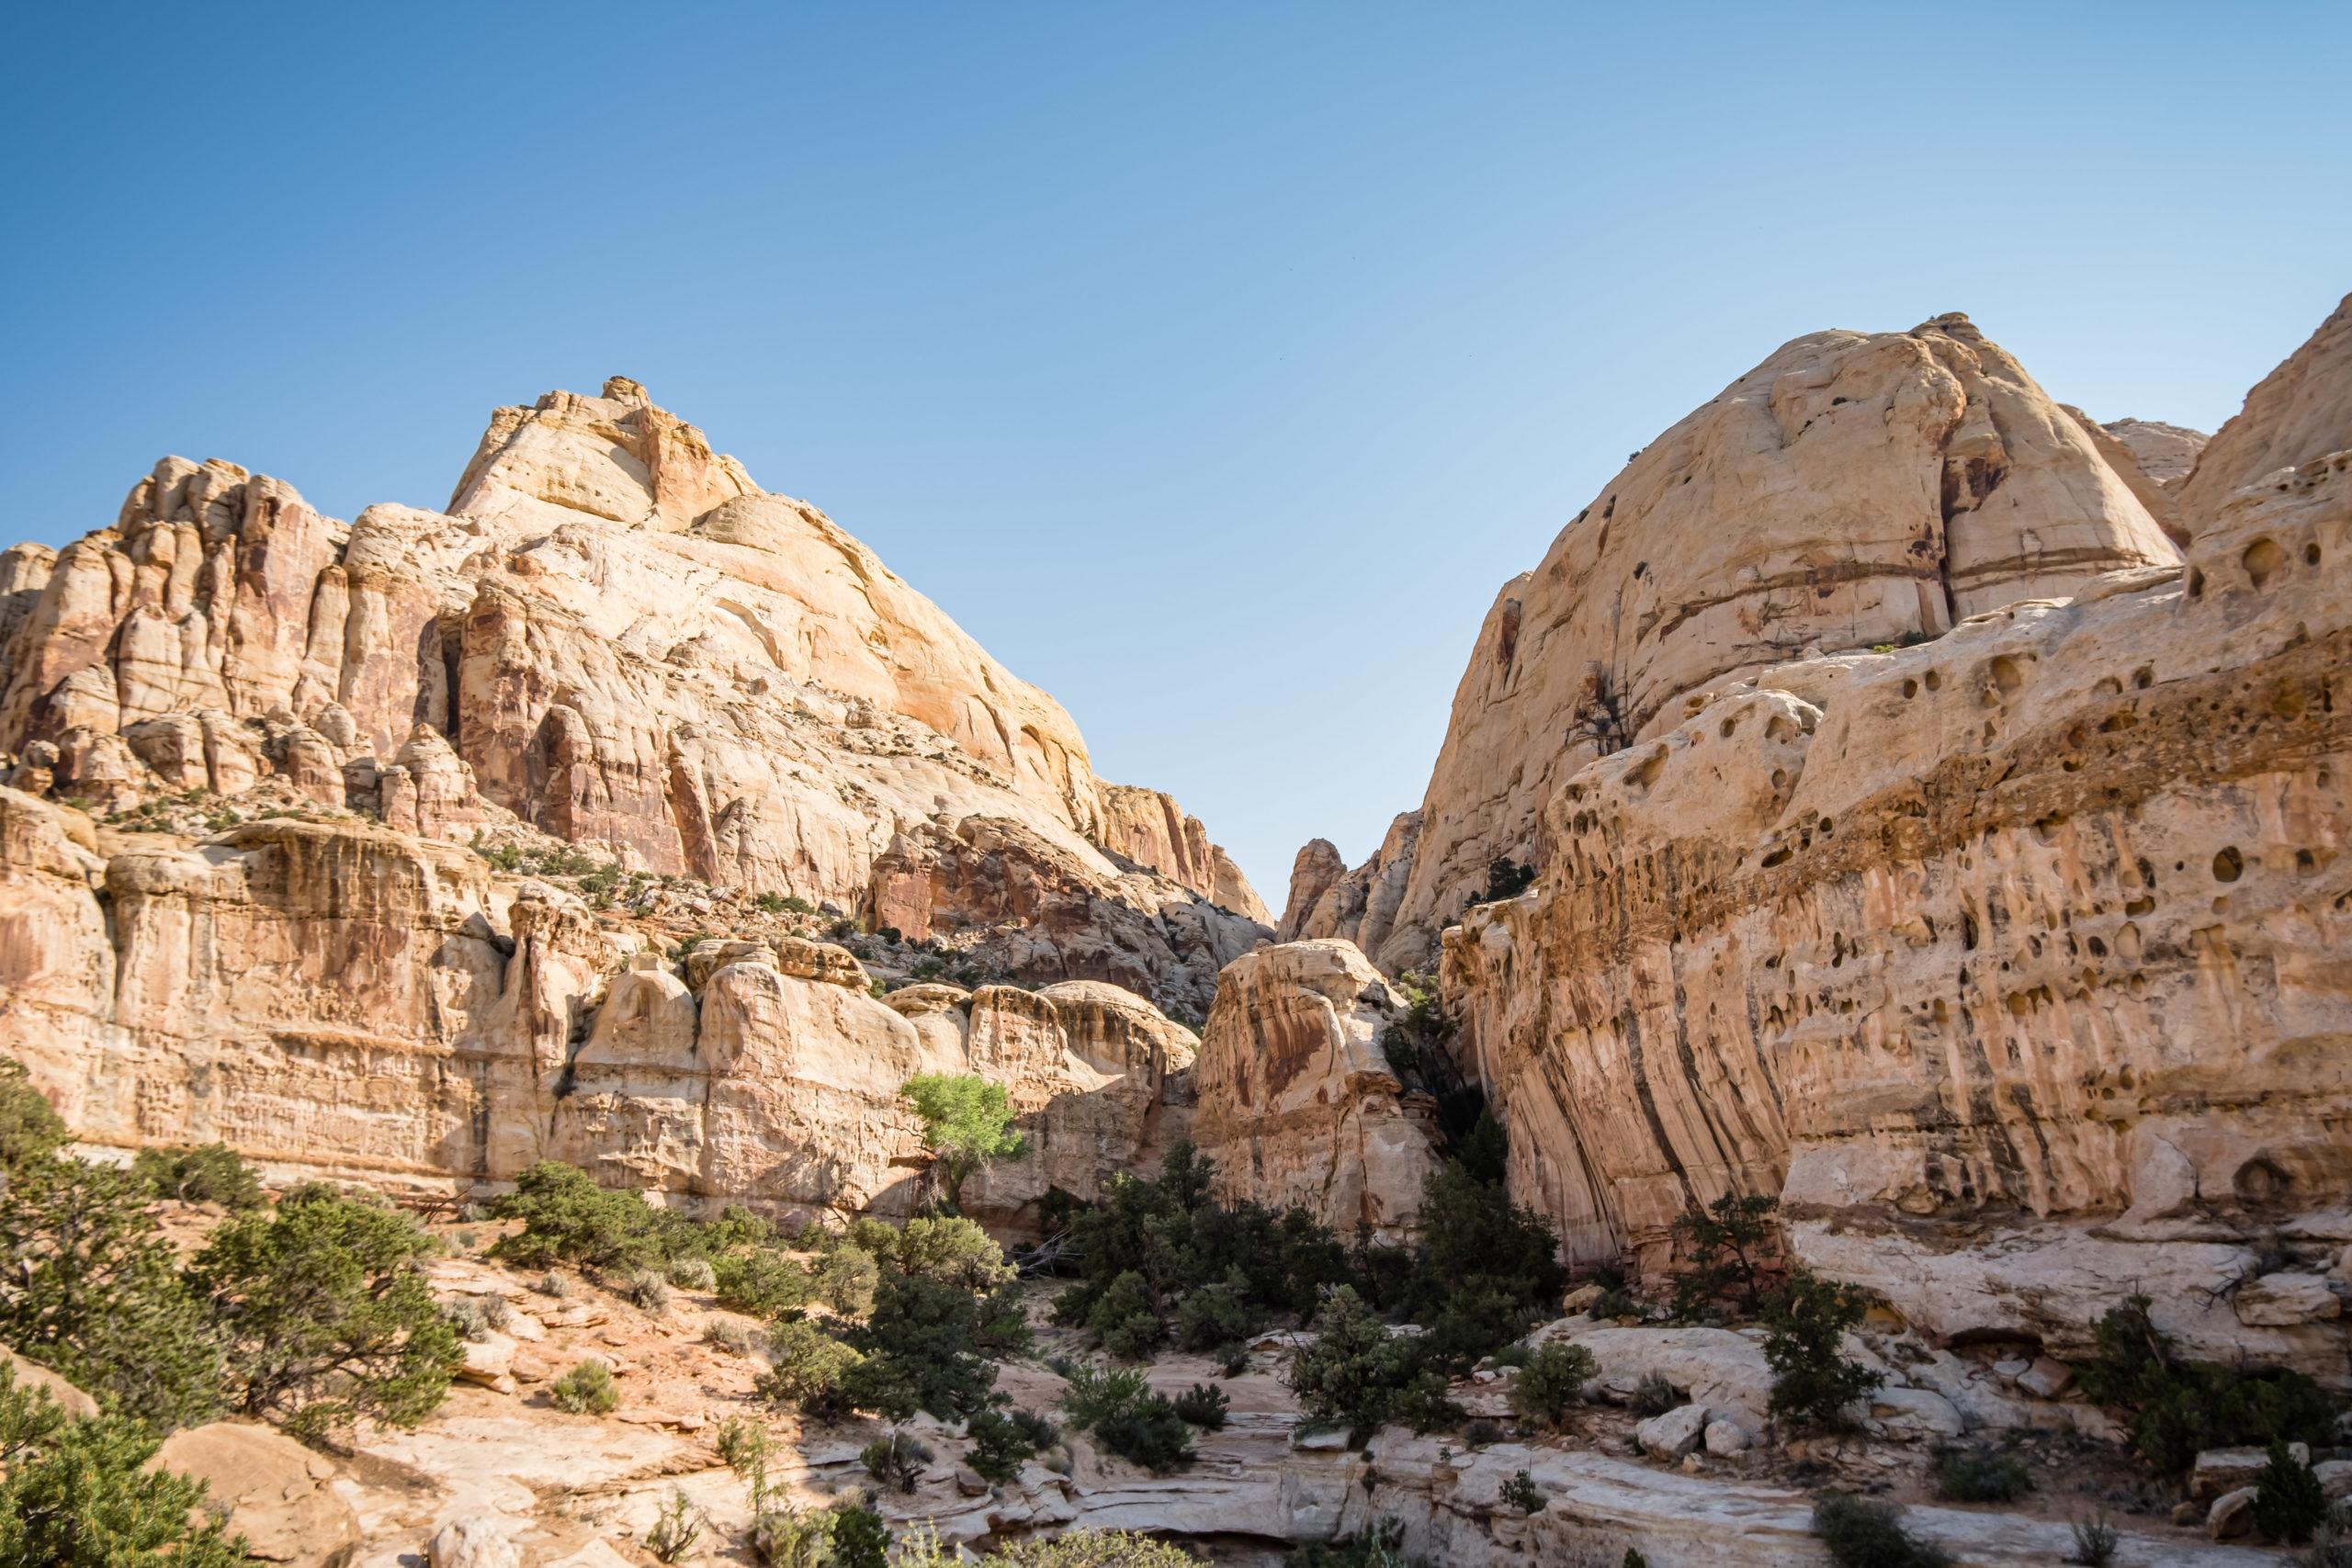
[
  {"x": 612, "y": 654},
  {"x": 1298, "y": 1103},
  {"x": 2009, "y": 961},
  {"x": 1854, "y": 490},
  {"x": 613, "y": 637},
  {"x": 2301, "y": 411}
]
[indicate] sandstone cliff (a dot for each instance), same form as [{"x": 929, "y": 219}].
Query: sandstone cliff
[
  {"x": 614, "y": 636},
  {"x": 420, "y": 848},
  {"x": 1854, "y": 490},
  {"x": 2004, "y": 951}
]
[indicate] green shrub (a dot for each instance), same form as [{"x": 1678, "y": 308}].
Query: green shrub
[
  {"x": 1804, "y": 1331},
  {"x": 1551, "y": 1382},
  {"x": 924, "y": 1347},
  {"x": 677, "y": 1525},
  {"x": 1485, "y": 1271},
  {"x": 88, "y": 1287},
  {"x": 1381, "y": 1545},
  {"x": 1482, "y": 1434},
  {"x": 758, "y": 1282},
  {"x": 646, "y": 1290},
  {"x": 586, "y": 1390},
  {"x": 1981, "y": 1474},
  {"x": 1654, "y": 1395},
  {"x": 896, "y": 1459},
  {"x": 1096, "y": 1394},
  {"x": 80, "y": 1494},
  {"x": 998, "y": 1445},
  {"x": 1219, "y": 1314},
  {"x": 566, "y": 1218},
  {"x": 2095, "y": 1541},
  {"x": 1233, "y": 1360},
  {"x": 1723, "y": 1246},
  {"x": 735, "y": 1338},
  {"x": 327, "y": 1314},
  {"x": 1424, "y": 1403},
  {"x": 2287, "y": 1502},
  {"x": 1522, "y": 1492},
  {"x": 1633, "y": 1559},
  {"x": 860, "y": 1539},
  {"x": 31, "y": 1128},
  {"x": 967, "y": 1122},
  {"x": 212, "y": 1173},
  {"x": 847, "y": 1279},
  {"x": 1149, "y": 1434},
  {"x": 692, "y": 1274},
  {"x": 807, "y": 1369},
  {"x": 1350, "y": 1375},
  {"x": 1093, "y": 1548},
  {"x": 2179, "y": 1408},
  {"x": 1123, "y": 1319},
  {"x": 1202, "y": 1406},
  {"x": 951, "y": 1250},
  {"x": 1861, "y": 1533}
]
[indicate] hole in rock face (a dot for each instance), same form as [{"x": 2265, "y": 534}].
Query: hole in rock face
[
  {"x": 2196, "y": 583},
  {"x": 2229, "y": 866},
  {"x": 2007, "y": 675},
  {"x": 2262, "y": 560},
  {"x": 2143, "y": 677},
  {"x": 2310, "y": 554},
  {"x": 2260, "y": 1184},
  {"x": 1935, "y": 682},
  {"x": 1910, "y": 687},
  {"x": 1727, "y": 727}
]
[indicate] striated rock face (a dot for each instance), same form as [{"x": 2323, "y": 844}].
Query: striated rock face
[
  {"x": 1151, "y": 829},
  {"x": 613, "y": 637},
  {"x": 2301, "y": 411},
  {"x": 1854, "y": 490},
  {"x": 2008, "y": 961},
  {"x": 613, "y": 652},
  {"x": 1297, "y": 1101}
]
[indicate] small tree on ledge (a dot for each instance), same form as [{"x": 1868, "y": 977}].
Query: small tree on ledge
[{"x": 967, "y": 1122}]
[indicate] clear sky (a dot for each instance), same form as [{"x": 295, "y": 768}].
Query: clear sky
[{"x": 1212, "y": 364}]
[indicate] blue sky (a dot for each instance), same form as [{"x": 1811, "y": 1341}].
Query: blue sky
[{"x": 1213, "y": 364}]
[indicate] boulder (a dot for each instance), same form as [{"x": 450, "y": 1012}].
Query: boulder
[
  {"x": 1725, "y": 1438},
  {"x": 2231, "y": 1515},
  {"x": 1674, "y": 1434},
  {"x": 275, "y": 1489},
  {"x": 68, "y": 1398},
  {"x": 2282, "y": 1301},
  {"x": 2225, "y": 1469},
  {"x": 475, "y": 1540}
]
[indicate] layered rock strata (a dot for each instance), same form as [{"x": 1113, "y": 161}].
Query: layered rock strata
[
  {"x": 1855, "y": 489},
  {"x": 2009, "y": 961},
  {"x": 615, "y": 638}
]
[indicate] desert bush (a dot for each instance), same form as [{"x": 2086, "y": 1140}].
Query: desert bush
[
  {"x": 210, "y": 1173},
  {"x": 896, "y": 1459},
  {"x": 31, "y": 1128},
  {"x": 806, "y": 1367},
  {"x": 646, "y": 1290},
  {"x": 566, "y": 1218},
  {"x": 1654, "y": 1395},
  {"x": 1123, "y": 1319},
  {"x": 1202, "y": 1406},
  {"x": 1148, "y": 1433},
  {"x": 999, "y": 1444},
  {"x": 88, "y": 1287},
  {"x": 951, "y": 1250},
  {"x": 1484, "y": 1271},
  {"x": 553, "y": 1285},
  {"x": 735, "y": 1338},
  {"x": 1094, "y": 1549},
  {"x": 1353, "y": 1372},
  {"x": 83, "y": 1494},
  {"x": 1095, "y": 1394},
  {"x": 847, "y": 1279},
  {"x": 926, "y": 1347},
  {"x": 586, "y": 1390},
  {"x": 1522, "y": 1492},
  {"x": 467, "y": 1315},
  {"x": 2330, "y": 1544},
  {"x": 1381, "y": 1546},
  {"x": 1482, "y": 1434},
  {"x": 1552, "y": 1382},
  {"x": 1722, "y": 1245},
  {"x": 2288, "y": 1503},
  {"x": 1859, "y": 1532},
  {"x": 675, "y": 1528},
  {"x": 1217, "y": 1315},
  {"x": 759, "y": 1282},
  {"x": 1981, "y": 1474},
  {"x": 692, "y": 1274},
  {"x": 2179, "y": 1408},
  {"x": 1804, "y": 1330},
  {"x": 2095, "y": 1541}
]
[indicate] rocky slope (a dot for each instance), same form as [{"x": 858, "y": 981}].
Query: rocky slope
[{"x": 1976, "y": 887}]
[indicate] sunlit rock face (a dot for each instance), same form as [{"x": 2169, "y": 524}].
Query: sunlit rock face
[
  {"x": 254, "y": 749},
  {"x": 2010, "y": 961},
  {"x": 1856, "y": 489}
]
